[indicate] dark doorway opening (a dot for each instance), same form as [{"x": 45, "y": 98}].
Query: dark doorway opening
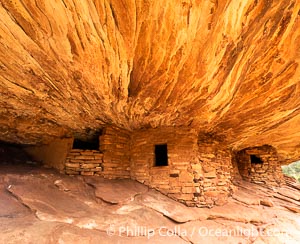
[
  {"x": 161, "y": 155},
  {"x": 255, "y": 159}
]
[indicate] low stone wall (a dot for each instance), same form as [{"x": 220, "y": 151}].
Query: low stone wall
[
  {"x": 115, "y": 146},
  {"x": 199, "y": 171},
  {"x": 84, "y": 162},
  {"x": 214, "y": 175},
  {"x": 197, "y": 174},
  {"x": 174, "y": 180},
  {"x": 267, "y": 172}
]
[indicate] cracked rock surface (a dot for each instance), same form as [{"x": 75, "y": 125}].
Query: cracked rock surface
[{"x": 39, "y": 205}]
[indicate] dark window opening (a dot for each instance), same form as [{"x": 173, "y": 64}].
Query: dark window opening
[
  {"x": 91, "y": 144},
  {"x": 161, "y": 155},
  {"x": 255, "y": 159}
]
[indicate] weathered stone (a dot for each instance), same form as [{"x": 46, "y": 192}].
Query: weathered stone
[
  {"x": 186, "y": 177},
  {"x": 89, "y": 173},
  {"x": 74, "y": 160},
  {"x": 87, "y": 152},
  {"x": 84, "y": 157},
  {"x": 263, "y": 172},
  {"x": 98, "y": 156},
  {"x": 86, "y": 165},
  {"x": 193, "y": 87},
  {"x": 210, "y": 175},
  {"x": 221, "y": 183},
  {"x": 292, "y": 208},
  {"x": 267, "y": 202},
  {"x": 74, "y": 153},
  {"x": 72, "y": 165},
  {"x": 96, "y": 161},
  {"x": 197, "y": 167},
  {"x": 188, "y": 189},
  {"x": 89, "y": 166},
  {"x": 290, "y": 194},
  {"x": 97, "y": 169}
]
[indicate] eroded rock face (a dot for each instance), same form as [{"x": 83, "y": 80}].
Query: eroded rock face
[{"x": 228, "y": 68}]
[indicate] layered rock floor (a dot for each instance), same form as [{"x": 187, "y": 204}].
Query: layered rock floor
[{"x": 39, "y": 205}]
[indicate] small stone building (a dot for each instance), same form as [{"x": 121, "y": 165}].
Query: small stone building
[
  {"x": 172, "y": 160},
  {"x": 111, "y": 160},
  {"x": 260, "y": 165}
]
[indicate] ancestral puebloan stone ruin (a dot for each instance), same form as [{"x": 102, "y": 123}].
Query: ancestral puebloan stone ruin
[
  {"x": 196, "y": 170},
  {"x": 183, "y": 96}
]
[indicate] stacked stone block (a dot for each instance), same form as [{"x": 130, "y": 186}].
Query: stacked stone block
[
  {"x": 213, "y": 175},
  {"x": 115, "y": 146},
  {"x": 199, "y": 171},
  {"x": 84, "y": 162},
  {"x": 268, "y": 172},
  {"x": 196, "y": 176},
  {"x": 174, "y": 180}
]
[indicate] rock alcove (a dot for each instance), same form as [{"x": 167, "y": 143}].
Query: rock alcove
[{"x": 208, "y": 79}]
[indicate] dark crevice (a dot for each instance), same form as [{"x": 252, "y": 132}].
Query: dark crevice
[
  {"x": 114, "y": 15},
  {"x": 63, "y": 1},
  {"x": 21, "y": 201},
  {"x": 130, "y": 90}
]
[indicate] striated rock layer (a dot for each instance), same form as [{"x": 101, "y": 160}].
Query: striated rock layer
[{"x": 225, "y": 68}]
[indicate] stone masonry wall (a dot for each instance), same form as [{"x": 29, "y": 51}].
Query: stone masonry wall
[
  {"x": 115, "y": 146},
  {"x": 84, "y": 162},
  {"x": 174, "y": 180},
  {"x": 196, "y": 175},
  {"x": 268, "y": 172},
  {"x": 214, "y": 175},
  {"x": 198, "y": 171}
]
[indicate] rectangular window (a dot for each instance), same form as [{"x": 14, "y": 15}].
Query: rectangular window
[{"x": 161, "y": 155}]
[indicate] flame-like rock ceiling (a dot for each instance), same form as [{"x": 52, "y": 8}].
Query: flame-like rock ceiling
[{"x": 227, "y": 68}]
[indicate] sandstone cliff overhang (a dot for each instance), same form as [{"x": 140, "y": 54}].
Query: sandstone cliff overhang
[{"x": 226, "y": 68}]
